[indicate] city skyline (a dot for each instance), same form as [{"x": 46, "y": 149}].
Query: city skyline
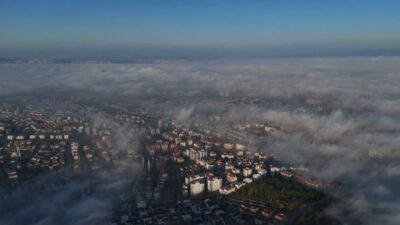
[{"x": 278, "y": 112}]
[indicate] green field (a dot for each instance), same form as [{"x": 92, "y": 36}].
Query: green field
[{"x": 278, "y": 192}]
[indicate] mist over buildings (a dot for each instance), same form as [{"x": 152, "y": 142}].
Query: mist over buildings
[{"x": 340, "y": 117}]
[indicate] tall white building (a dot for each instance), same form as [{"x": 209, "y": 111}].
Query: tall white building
[
  {"x": 74, "y": 151},
  {"x": 203, "y": 154},
  {"x": 195, "y": 154},
  {"x": 214, "y": 184},
  {"x": 197, "y": 187}
]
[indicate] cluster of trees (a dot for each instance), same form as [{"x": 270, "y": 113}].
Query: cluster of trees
[{"x": 279, "y": 192}]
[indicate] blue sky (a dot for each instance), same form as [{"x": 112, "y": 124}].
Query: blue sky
[{"x": 186, "y": 28}]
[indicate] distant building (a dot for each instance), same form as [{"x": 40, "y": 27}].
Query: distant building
[
  {"x": 247, "y": 171},
  {"x": 195, "y": 154},
  {"x": 256, "y": 176},
  {"x": 227, "y": 190},
  {"x": 196, "y": 187},
  {"x": 248, "y": 180},
  {"x": 192, "y": 178},
  {"x": 286, "y": 173},
  {"x": 214, "y": 184},
  {"x": 231, "y": 177},
  {"x": 227, "y": 155},
  {"x": 228, "y": 166},
  {"x": 275, "y": 171},
  {"x": 228, "y": 146}
]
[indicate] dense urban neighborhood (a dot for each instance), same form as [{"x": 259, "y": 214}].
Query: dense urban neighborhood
[{"x": 178, "y": 173}]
